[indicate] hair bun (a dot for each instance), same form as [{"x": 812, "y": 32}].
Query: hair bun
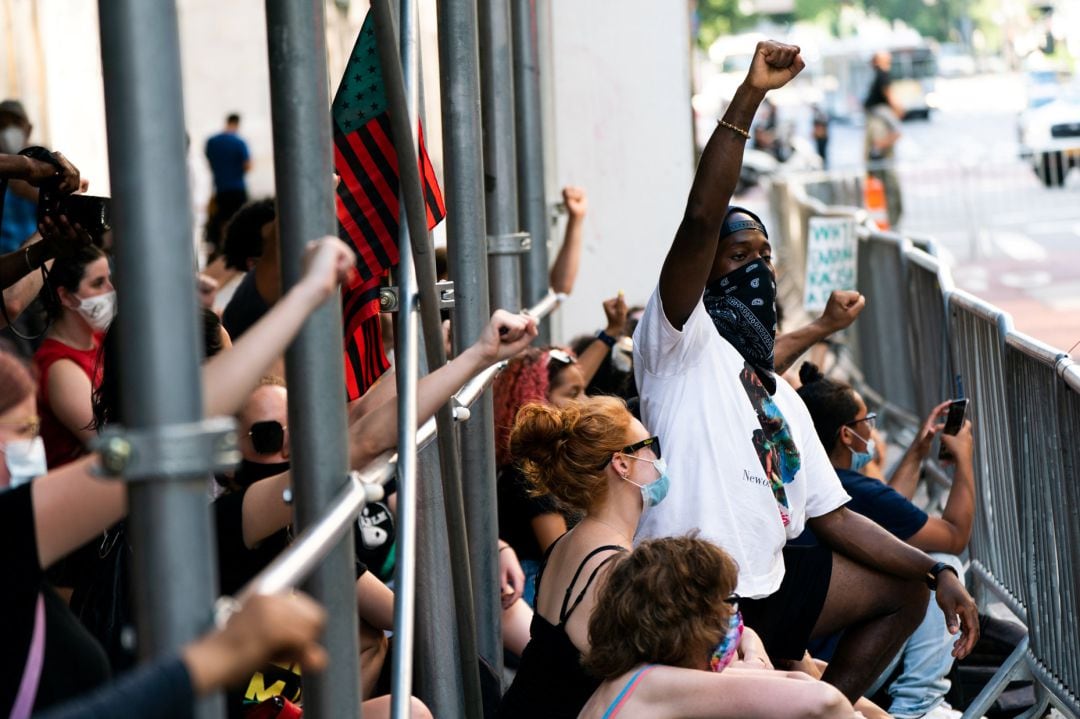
[{"x": 809, "y": 373}]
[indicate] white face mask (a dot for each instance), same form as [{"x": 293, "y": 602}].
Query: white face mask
[
  {"x": 98, "y": 311},
  {"x": 25, "y": 459},
  {"x": 12, "y": 139}
]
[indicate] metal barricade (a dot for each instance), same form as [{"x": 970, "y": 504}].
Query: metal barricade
[
  {"x": 1035, "y": 405},
  {"x": 881, "y": 334},
  {"x": 978, "y": 332},
  {"x": 1068, "y": 671},
  {"x": 927, "y": 281}
]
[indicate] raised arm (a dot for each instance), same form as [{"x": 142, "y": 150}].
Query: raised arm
[
  {"x": 690, "y": 259},
  {"x": 229, "y": 377},
  {"x": 565, "y": 269},
  {"x": 375, "y": 432},
  {"x": 951, "y": 532},
  {"x": 840, "y": 311}
]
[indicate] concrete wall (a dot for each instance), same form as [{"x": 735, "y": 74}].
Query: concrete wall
[{"x": 617, "y": 94}]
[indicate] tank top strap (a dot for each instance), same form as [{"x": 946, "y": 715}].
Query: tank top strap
[
  {"x": 624, "y": 695},
  {"x": 543, "y": 565},
  {"x": 565, "y": 612}
]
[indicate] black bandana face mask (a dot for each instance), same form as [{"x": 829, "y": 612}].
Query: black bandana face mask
[{"x": 742, "y": 305}]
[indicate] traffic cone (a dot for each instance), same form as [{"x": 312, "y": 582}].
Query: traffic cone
[{"x": 874, "y": 199}]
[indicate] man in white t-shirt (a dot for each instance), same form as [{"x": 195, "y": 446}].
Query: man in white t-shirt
[{"x": 749, "y": 470}]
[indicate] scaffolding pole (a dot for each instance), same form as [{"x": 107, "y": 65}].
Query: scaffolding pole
[
  {"x": 175, "y": 582},
  {"x": 400, "y": 60},
  {"x": 505, "y": 244},
  {"x": 466, "y": 230},
  {"x": 303, "y": 170},
  {"x": 530, "y": 149}
]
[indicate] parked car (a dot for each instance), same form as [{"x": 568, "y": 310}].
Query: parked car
[{"x": 1050, "y": 135}]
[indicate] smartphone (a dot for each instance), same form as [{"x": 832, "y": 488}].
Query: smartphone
[{"x": 953, "y": 422}]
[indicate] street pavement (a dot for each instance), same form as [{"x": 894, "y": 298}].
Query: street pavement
[{"x": 1006, "y": 238}]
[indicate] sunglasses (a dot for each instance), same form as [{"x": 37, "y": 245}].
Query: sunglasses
[
  {"x": 267, "y": 437},
  {"x": 560, "y": 356},
  {"x": 651, "y": 442}
]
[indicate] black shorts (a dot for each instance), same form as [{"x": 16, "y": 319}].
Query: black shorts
[{"x": 785, "y": 619}]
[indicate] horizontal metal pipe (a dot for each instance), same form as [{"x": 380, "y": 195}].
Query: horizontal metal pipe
[
  {"x": 294, "y": 564},
  {"x": 298, "y": 561}
]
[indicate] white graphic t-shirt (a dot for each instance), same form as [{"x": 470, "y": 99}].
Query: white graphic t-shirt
[{"x": 746, "y": 469}]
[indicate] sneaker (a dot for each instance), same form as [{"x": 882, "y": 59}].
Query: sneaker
[{"x": 944, "y": 711}]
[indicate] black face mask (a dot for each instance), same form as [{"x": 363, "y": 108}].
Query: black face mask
[
  {"x": 742, "y": 305},
  {"x": 250, "y": 472}
]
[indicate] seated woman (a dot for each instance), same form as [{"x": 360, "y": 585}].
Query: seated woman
[
  {"x": 81, "y": 302},
  {"x": 656, "y": 647},
  {"x": 593, "y": 457},
  {"x": 844, "y": 426}
]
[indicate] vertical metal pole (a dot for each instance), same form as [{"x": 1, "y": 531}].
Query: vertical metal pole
[
  {"x": 466, "y": 230},
  {"x": 401, "y": 75},
  {"x": 302, "y": 171},
  {"x": 174, "y": 563},
  {"x": 500, "y": 156},
  {"x": 528, "y": 119},
  {"x": 407, "y": 360}
]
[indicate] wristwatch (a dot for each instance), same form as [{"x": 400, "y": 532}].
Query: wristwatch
[
  {"x": 606, "y": 338},
  {"x": 937, "y": 569}
]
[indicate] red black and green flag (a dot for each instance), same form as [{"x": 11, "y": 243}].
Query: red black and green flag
[{"x": 367, "y": 203}]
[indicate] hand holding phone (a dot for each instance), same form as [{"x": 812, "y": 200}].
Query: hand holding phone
[{"x": 953, "y": 422}]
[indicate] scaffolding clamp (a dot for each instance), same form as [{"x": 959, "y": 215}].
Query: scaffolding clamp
[
  {"x": 172, "y": 450},
  {"x": 390, "y": 297},
  {"x": 512, "y": 243}
]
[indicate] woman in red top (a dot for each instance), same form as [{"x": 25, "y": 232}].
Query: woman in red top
[{"x": 81, "y": 302}]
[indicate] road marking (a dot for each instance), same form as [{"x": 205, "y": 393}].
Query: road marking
[
  {"x": 1026, "y": 280},
  {"x": 1019, "y": 247}
]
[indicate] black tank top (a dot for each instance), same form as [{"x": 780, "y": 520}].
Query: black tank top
[{"x": 550, "y": 681}]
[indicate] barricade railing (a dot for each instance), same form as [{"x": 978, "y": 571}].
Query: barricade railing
[
  {"x": 1035, "y": 405},
  {"x": 881, "y": 338},
  {"x": 978, "y": 331},
  {"x": 916, "y": 334},
  {"x": 292, "y": 566}
]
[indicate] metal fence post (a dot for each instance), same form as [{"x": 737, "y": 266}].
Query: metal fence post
[
  {"x": 401, "y": 74},
  {"x": 174, "y": 564},
  {"x": 466, "y": 231},
  {"x": 303, "y": 167},
  {"x": 530, "y": 146},
  {"x": 500, "y": 155}
]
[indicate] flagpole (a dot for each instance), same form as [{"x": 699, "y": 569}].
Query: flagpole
[{"x": 303, "y": 167}]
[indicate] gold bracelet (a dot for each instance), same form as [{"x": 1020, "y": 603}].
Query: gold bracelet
[{"x": 737, "y": 130}]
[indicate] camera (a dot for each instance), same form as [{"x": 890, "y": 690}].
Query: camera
[{"x": 90, "y": 212}]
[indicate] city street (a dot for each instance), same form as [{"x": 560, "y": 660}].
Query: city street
[{"x": 1007, "y": 238}]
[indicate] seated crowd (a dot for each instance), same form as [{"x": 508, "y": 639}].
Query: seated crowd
[{"x": 682, "y": 532}]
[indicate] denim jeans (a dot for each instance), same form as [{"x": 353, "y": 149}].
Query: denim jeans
[{"x": 926, "y": 658}]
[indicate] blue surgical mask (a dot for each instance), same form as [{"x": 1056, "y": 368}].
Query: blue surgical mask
[
  {"x": 654, "y": 492},
  {"x": 861, "y": 459}
]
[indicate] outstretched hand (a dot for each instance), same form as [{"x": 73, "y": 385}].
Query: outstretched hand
[
  {"x": 327, "y": 263},
  {"x": 842, "y": 309},
  {"x": 961, "y": 614},
  {"x": 774, "y": 65},
  {"x": 930, "y": 429},
  {"x": 505, "y": 335},
  {"x": 267, "y": 628}
]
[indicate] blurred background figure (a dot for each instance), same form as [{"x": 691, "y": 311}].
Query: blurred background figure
[
  {"x": 883, "y": 115},
  {"x": 229, "y": 162}
]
